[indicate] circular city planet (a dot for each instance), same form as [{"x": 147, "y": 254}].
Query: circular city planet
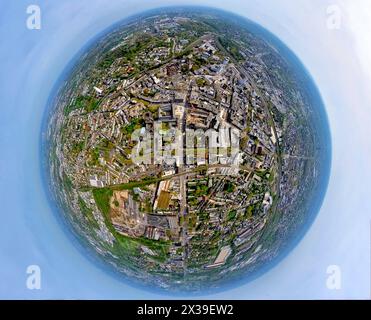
[{"x": 187, "y": 149}]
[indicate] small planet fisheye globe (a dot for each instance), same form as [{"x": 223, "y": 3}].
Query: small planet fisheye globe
[{"x": 187, "y": 149}]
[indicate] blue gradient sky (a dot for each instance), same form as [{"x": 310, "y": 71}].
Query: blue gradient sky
[{"x": 32, "y": 61}]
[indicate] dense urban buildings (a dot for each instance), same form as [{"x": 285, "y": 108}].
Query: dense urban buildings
[{"x": 182, "y": 148}]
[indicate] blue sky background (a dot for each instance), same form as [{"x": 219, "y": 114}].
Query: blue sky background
[{"x": 31, "y": 62}]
